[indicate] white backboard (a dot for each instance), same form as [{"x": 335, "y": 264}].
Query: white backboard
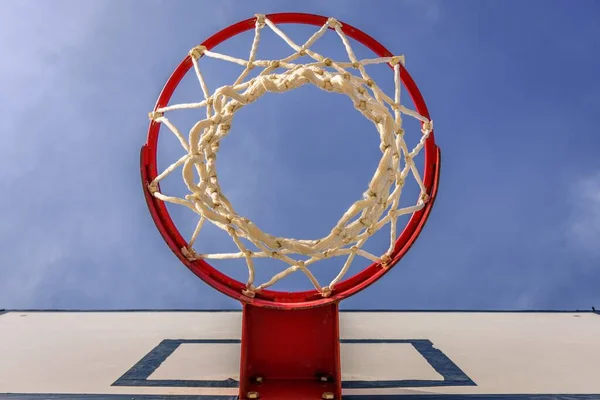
[{"x": 157, "y": 354}]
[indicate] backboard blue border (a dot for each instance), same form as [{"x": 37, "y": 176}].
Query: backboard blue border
[
  {"x": 75, "y": 396},
  {"x": 452, "y": 375}
]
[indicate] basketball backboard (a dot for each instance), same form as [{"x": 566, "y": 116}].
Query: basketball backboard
[{"x": 169, "y": 354}]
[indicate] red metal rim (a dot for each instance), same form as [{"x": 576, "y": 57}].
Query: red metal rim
[{"x": 271, "y": 298}]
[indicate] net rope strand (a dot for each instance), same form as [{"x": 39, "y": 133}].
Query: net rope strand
[{"x": 378, "y": 206}]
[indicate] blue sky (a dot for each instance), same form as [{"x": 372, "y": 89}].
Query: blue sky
[{"x": 512, "y": 88}]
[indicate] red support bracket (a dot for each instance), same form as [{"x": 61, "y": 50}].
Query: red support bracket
[{"x": 290, "y": 354}]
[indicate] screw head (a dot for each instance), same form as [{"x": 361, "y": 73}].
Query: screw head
[
  {"x": 328, "y": 396},
  {"x": 324, "y": 377},
  {"x": 253, "y": 395}
]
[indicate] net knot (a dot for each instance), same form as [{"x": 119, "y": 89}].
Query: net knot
[
  {"x": 190, "y": 253},
  {"x": 427, "y": 126},
  {"x": 385, "y": 260},
  {"x": 250, "y": 291},
  {"x": 153, "y": 187},
  {"x": 397, "y": 59},
  {"x": 334, "y": 23},
  {"x": 154, "y": 115},
  {"x": 260, "y": 20},
  {"x": 197, "y": 52}
]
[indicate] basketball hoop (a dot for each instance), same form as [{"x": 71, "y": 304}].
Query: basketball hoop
[{"x": 295, "y": 316}]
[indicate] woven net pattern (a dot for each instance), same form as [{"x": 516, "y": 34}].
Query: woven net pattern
[{"x": 379, "y": 205}]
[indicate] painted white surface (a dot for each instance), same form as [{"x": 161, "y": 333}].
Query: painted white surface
[{"x": 51, "y": 352}]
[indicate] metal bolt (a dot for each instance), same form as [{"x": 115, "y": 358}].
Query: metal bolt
[
  {"x": 254, "y": 395},
  {"x": 257, "y": 379},
  {"x": 327, "y": 396}
]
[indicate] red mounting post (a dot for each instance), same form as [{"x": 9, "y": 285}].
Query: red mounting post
[{"x": 290, "y": 354}]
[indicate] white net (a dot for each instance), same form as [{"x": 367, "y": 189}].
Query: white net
[{"x": 379, "y": 205}]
